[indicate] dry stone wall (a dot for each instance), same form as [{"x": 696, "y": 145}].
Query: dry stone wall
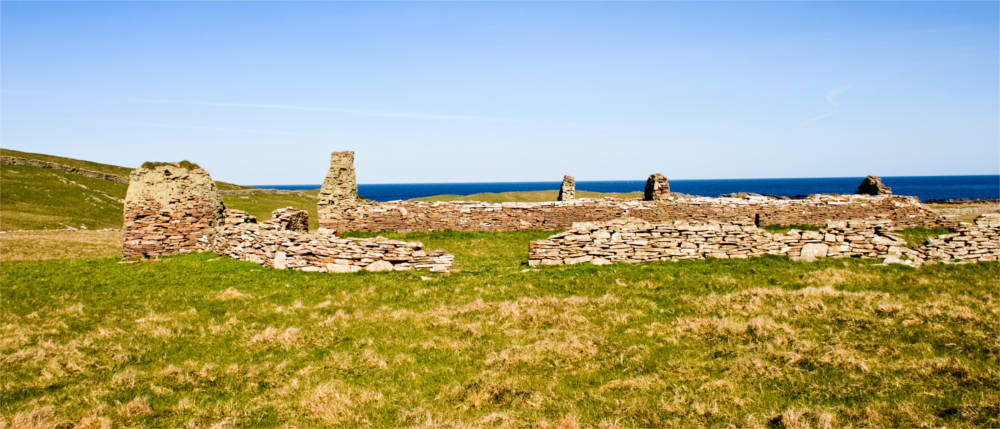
[
  {"x": 636, "y": 240},
  {"x": 978, "y": 241},
  {"x": 169, "y": 209},
  {"x": 16, "y": 160},
  {"x": 408, "y": 216},
  {"x": 273, "y": 244}
]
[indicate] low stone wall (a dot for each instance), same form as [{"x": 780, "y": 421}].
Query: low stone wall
[
  {"x": 409, "y": 216},
  {"x": 271, "y": 243},
  {"x": 16, "y": 160},
  {"x": 636, "y": 240},
  {"x": 169, "y": 209},
  {"x": 978, "y": 241}
]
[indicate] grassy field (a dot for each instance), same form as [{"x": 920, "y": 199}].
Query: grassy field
[
  {"x": 202, "y": 340},
  {"x": 525, "y": 196}
]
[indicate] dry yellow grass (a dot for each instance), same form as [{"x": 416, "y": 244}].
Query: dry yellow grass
[{"x": 34, "y": 245}]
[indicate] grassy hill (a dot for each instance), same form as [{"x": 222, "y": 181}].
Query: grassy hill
[{"x": 33, "y": 198}]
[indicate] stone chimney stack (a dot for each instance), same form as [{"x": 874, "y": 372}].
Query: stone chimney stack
[
  {"x": 340, "y": 183},
  {"x": 568, "y": 189},
  {"x": 657, "y": 187},
  {"x": 169, "y": 208},
  {"x": 872, "y": 185}
]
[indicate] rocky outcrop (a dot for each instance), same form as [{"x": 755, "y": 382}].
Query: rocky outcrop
[
  {"x": 657, "y": 188},
  {"x": 169, "y": 209},
  {"x": 978, "y": 241},
  {"x": 872, "y": 185},
  {"x": 273, "y": 244},
  {"x": 635, "y": 240},
  {"x": 568, "y": 189}
]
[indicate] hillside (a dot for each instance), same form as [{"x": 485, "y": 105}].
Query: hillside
[{"x": 34, "y": 198}]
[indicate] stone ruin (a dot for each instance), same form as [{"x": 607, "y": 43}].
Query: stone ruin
[
  {"x": 568, "y": 189},
  {"x": 657, "y": 188},
  {"x": 175, "y": 208},
  {"x": 872, "y": 185},
  {"x": 635, "y": 240},
  {"x": 168, "y": 209},
  {"x": 352, "y": 213},
  {"x": 971, "y": 242}
]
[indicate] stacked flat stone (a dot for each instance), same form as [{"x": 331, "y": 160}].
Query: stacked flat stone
[
  {"x": 657, "y": 188},
  {"x": 568, "y": 189},
  {"x": 978, "y": 241},
  {"x": 635, "y": 240},
  {"x": 169, "y": 209},
  {"x": 872, "y": 185},
  {"x": 410, "y": 216},
  {"x": 270, "y": 243},
  {"x": 340, "y": 183},
  {"x": 291, "y": 219}
]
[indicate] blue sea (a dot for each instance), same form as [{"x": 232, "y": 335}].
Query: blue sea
[{"x": 923, "y": 187}]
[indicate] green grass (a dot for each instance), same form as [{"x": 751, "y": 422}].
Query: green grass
[
  {"x": 202, "y": 339},
  {"x": 525, "y": 196},
  {"x": 917, "y": 236},
  {"x": 261, "y": 205},
  {"x": 781, "y": 229},
  {"x": 43, "y": 198}
]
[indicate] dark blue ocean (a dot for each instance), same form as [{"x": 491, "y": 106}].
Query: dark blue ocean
[{"x": 923, "y": 187}]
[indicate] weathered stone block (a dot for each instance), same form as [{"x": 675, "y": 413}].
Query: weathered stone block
[
  {"x": 657, "y": 187},
  {"x": 568, "y": 189}
]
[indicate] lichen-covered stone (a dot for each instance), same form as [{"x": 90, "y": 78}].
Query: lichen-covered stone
[{"x": 169, "y": 209}]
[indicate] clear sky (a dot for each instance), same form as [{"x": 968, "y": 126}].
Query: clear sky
[{"x": 262, "y": 92}]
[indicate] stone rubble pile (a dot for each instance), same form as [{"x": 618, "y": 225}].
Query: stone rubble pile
[
  {"x": 978, "y": 241},
  {"x": 270, "y": 243},
  {"x": 567, "y": 191},
  {"x": 635, "y": 240},
  {"x": 291, "y": 219},
  {"x": 168, "y": 209}
]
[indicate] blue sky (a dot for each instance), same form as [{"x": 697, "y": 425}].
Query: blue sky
[{"x": 262, "y": 92}]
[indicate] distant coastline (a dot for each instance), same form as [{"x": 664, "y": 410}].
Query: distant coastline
[{"x": 924, "y": 187}]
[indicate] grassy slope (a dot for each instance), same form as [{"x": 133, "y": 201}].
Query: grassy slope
[
  {"x": 94, "y": 166},
  {"x": 43, "y": 198},
  {"x": 524, "y": 196},
  {"x": 200, "y": 339}
]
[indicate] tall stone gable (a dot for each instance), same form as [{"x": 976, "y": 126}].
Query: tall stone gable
[
  {"x": 568, "y": 189},
  {"x": 169, "y": 208},
  {"x": 340, "y": 183}
]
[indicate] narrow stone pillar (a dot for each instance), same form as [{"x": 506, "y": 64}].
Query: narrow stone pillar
[
  {"x": 872, "y": 185},
  {"x": 568, "y": 189},
  {"x": 657, "y": 187},
  {"x": 339, "y": 183},
  {"x": 170, "y": 208}
]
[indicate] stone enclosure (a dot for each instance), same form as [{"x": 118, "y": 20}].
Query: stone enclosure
[{"x": 172, "y": 208}]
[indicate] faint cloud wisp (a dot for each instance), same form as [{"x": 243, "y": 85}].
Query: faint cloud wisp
[{"x": 831, "y": 97}]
